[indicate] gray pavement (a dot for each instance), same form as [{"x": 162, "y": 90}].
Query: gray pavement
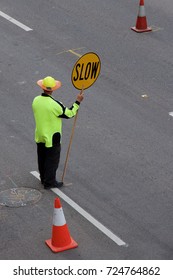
[{"x": 120, "y": 166}]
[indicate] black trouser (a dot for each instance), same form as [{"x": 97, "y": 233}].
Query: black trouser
[{"x": 48, "y": 161}]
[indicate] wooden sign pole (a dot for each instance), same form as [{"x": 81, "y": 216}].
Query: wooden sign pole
[{"x": 70, "y": 143}]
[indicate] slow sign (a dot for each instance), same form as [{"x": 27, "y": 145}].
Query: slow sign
[{"x": 86, "y": 71}]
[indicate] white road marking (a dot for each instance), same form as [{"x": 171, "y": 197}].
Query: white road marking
[
  {"x": 14, "y": 21},
  {"x": 85, "y": 214},
  {"x": 75, "y": 53},
  {"x": 72, "y": 51}
]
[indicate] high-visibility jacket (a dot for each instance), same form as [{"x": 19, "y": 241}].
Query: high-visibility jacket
[{"x": 48, "y": 114}]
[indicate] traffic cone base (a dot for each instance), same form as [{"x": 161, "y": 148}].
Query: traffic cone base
[
  {"x": 148, "y": 29},
  {"x": 54, "y": 249}
]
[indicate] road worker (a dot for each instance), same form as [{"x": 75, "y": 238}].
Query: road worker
[{"x": 48, "y": 115}]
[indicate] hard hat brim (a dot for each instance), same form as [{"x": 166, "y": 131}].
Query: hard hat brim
[{"x": 40, "y": 84}]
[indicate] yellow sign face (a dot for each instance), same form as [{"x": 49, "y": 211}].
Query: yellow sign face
[{"x": 86, "y": 71}]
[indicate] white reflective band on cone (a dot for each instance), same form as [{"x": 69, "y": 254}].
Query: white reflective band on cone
[
  {"x": 58, "y": 217},
  {"x": 141, "y": 11}
]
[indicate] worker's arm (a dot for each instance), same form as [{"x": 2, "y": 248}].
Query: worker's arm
[{"x": 71, "y": 112}]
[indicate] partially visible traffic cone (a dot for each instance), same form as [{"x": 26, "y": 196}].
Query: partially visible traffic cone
[
  {"x": 141, "y": 22},
  {"x": 61, "y": 239}
]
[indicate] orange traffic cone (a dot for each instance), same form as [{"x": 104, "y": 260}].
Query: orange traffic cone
[
  {"x": 61, "y": 239},
  {"x": 141, "y": 22}
]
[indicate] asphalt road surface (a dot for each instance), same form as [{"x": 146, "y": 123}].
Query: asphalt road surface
[{"x": 118, "y": 198}]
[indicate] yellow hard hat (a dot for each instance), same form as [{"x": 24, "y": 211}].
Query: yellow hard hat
[{"x": 49, "y": 84}]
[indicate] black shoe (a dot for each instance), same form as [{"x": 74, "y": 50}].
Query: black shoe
[
  {"x": 58, "y": 184},
  {"x": 55, "y": 185}
]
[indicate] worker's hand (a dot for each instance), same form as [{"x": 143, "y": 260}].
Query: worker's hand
[{"x": 80, "y": 96}]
